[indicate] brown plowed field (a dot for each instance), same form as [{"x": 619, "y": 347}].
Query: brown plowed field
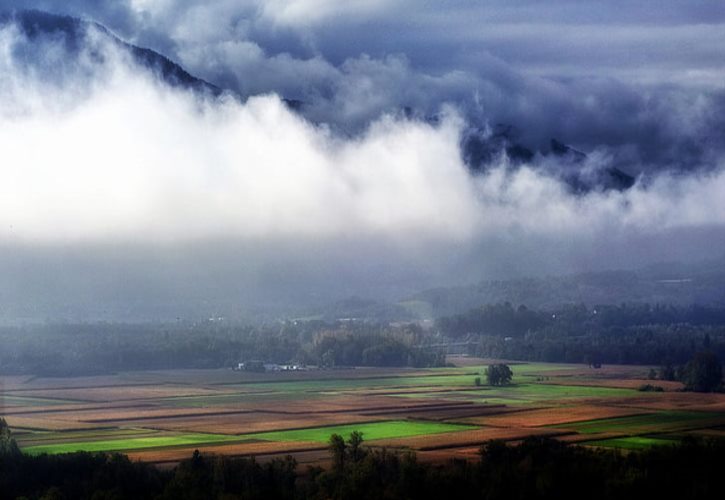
[
  {"x": 119, "y": 393},
  {"x": 553, "y": 416},
  {"x": 465, "y": 438},
  {"x": 46, "y": 423},
  {"x": 617, "y": 383}
]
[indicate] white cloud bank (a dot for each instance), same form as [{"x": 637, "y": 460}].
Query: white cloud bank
[
  {"x": 117, "y": 156},
  {"x": 134, "y": 159}
]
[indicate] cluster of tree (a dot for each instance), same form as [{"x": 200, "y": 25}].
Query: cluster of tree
[
  {"x": 498, "y": 375},
  {"x": 639, "y": 345},
  {"x": 362, "y": 346},
  {"x": 703, "y": 373},
  {"x": 536, "y": 469},
  {"x": 494, "y": 319},
  {"x": 506, "y": 320}
]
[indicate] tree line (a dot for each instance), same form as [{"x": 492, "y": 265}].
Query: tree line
[
  {"x": 623, "y": 334},
  {"x": 85, "y": 349}
]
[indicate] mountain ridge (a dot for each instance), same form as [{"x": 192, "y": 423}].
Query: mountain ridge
[{"x": 72, "y": 32}]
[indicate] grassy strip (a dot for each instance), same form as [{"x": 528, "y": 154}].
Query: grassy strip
[
  {"x": 371, "y": 431},
  {"x": 33, "y": 401},
  {"x": 82, "y": 436},
  {"x": 631, "y": 442},
  {"x": 663, "y": 420},
  {"x": 137, "y": 443}
]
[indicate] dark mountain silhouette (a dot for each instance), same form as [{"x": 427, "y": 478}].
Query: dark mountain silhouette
[
  {"x": 482, "y": 149},
  {"x": 73, "y": 36}
]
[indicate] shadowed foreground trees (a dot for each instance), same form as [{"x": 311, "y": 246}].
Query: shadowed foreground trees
[
  {"x": 539, "y": 468},
  {"x": 536, "y": 469},
  {"x": 8, "y": 446}
]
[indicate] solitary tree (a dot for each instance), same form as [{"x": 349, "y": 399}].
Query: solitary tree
[{"x": 499, "y": 374}]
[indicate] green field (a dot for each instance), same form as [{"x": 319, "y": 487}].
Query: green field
[
  {"x": 631, "y": 442},
  {"x": 137, "y": 443},
  {"x": 659, "y": 421},
  {"x": 371, "y": 431}
]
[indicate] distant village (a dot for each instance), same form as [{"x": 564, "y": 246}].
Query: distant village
[{"x": 260, "y": 366}]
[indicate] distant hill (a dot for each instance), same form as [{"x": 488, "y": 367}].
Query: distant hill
[{"x": 674, "y": 283}]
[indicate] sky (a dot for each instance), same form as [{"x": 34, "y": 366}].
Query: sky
[{"x": 123, "y": 196}]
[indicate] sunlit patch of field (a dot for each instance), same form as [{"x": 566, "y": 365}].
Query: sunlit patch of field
[
  {"x": 631, "y": 442},
  {"x": 130, "y": 443},
  {"x": 371, "y": 431},
  {"x": 122, "y": 440},
  {"x": 665, "y": 421}
]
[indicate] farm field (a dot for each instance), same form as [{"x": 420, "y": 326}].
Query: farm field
[{"x": 163, "y": 416}]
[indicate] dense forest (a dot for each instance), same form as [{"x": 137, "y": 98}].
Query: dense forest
[
  {"x": 536, "y": 469},
  {"x": 621, "y": 334},
  {"x": 614, "y": 334}
]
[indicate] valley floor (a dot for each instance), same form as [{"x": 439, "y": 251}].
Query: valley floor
[{"x": 161, "y": 417}]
